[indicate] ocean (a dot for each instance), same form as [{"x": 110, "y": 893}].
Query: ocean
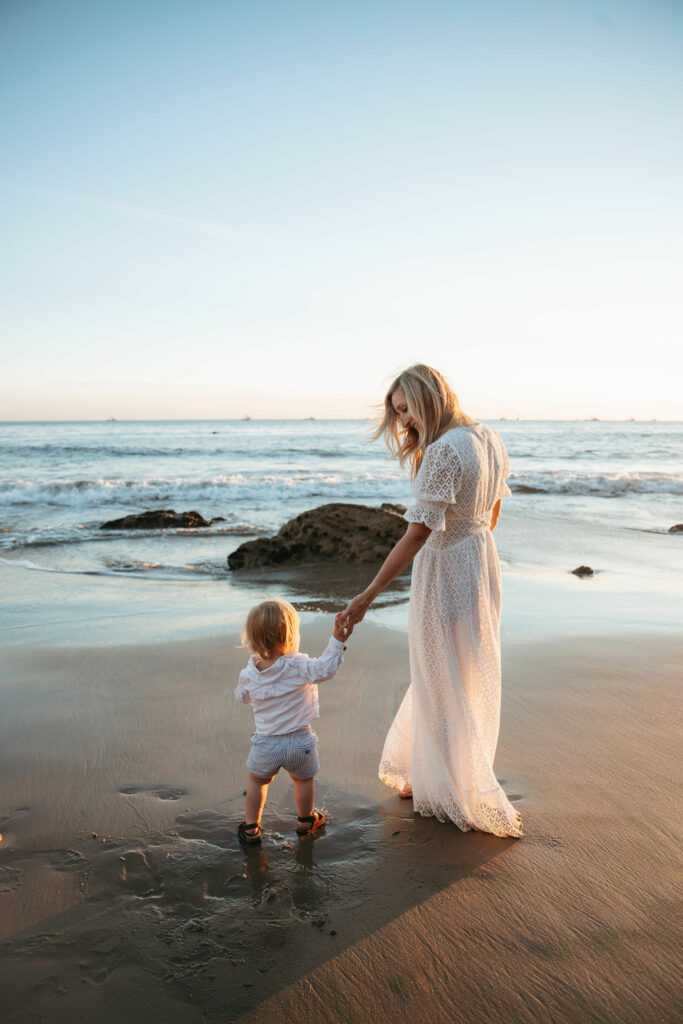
[{"x": 602, "y": 493}]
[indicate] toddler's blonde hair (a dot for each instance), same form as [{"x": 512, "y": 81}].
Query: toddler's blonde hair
[
  {"x": 433, "y": 405},
  {"x": 271, "y": 625}
]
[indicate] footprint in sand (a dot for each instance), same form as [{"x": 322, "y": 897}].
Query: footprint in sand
[
  {"x": 68, "y": 860},
  {"x": 7, "y": 818},
  {"x": 19, "y": 813},
  {"x": 161, "y": 792},
  {"x": 138, "y": 874},
  {"x": 102, "y": 958},
  {"x": 10, "y": 879}
]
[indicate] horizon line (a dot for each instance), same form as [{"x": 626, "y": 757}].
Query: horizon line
[{"x": 349, "y": 419}]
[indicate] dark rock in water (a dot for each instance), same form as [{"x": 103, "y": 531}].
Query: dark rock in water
[
  {"x": 678, "y": 528},
  {"x": 583, "y": 570},
  {"x": 336, "y": 532},
  {"x": 161, "y": 519}
]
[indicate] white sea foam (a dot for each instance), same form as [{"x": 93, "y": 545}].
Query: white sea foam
[
  {"x": 101, "y": 492},
  {"x": 128, "y": 567},
  {"x": 25, "y": 563},
  {"x": 267, "y": 488},
  {"x": 606, "y": 485},
  {"x": 174, "y": 569},
  {"x": 81, "y": 534}
]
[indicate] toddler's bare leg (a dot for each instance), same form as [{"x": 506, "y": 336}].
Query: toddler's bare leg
[
  {"x": 257, "y": 791},
  {"x": 304, "y": 791}
]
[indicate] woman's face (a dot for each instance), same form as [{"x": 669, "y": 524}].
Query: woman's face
[{"x": 398, "y": 400}]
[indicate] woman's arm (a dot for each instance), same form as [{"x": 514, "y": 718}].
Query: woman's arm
[
  {"x": 398, "y": 559},
  {"x": 495, "y": 515}
]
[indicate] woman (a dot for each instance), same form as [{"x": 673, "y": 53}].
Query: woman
[{"x": 441, "y": 745}]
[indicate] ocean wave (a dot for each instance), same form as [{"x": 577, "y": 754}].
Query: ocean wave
[
  {"x": 60, "y": 536},
  {"x": 215, "y": 495},
  {"x": 133, "y": 568},
  {"x": 604, "y": 485},
  {"x": 542, "y": 454},
  {"x": 54, "y": 452},
  {"x": 82, "y": 451},
  {"x": 25, "y": 563},
  {"x": 219, "y": 489},
  {"x": 660, "y": 531}
]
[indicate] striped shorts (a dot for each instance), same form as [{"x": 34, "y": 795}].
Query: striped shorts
[{"x": 297, "y": 752}]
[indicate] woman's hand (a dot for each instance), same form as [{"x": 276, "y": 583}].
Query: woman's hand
[
  {"x": 342, "y": 628},
  {"x": 355, "y": 611},
  {"x": 398, "y": 559}
]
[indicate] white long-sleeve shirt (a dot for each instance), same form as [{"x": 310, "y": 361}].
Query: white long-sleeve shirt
[{"x": 285, "y": 695}]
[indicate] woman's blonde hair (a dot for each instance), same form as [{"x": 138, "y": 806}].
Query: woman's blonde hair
[
  {"x": 270, "y": 626},
  {"x": 434, "y": 407}
]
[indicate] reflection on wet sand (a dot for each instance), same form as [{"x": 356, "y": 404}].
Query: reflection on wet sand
[
  {"x": 223, "y": 923},
  {"x": 324, "y": 586}
]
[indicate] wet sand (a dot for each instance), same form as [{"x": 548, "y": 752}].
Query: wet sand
[{"x": 125, "y": 894}]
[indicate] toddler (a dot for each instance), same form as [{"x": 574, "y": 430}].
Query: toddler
[{"x": 280, "y": 683}]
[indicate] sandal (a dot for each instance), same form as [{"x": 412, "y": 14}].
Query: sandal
[
  {"x": 406, "y": 793},
  {"x": 310, "y": 823},
  {"x": 249, "y": 833}
]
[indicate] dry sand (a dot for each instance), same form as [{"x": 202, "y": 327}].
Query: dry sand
[{"x": 124, "y": 893}]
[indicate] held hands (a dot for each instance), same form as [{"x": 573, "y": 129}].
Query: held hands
[
  {"x": 352, "y": 614},
  {"x": 355, "y": 611},
  {"x": 342, "y": 631},
  {"x": 398, "y": 559}
]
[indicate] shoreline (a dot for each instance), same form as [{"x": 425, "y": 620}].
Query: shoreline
[
  {"x": 56, "y": 609},
  {"x": 169, "y": 919}
]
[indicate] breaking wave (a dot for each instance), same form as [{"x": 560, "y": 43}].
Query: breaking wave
[
  {"x": 605, "y": 485},
  {"x": 220, "y": 489},
  {"x": 265, "y": 488}
]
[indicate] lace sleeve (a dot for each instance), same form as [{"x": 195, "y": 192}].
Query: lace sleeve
[
  {"x": 436, "y": 486},
  {"x": 431, "y": 513}
]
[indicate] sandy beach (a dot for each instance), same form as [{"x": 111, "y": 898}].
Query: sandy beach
[
  {"x": 286, "y": 288},
  {"x": 124, "y": 891}
]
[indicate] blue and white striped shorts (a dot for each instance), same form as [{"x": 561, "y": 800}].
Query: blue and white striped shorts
[{"x": 296, "y": 751}]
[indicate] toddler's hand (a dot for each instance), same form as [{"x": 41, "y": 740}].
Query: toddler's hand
[{"x": 342, "y": 631}]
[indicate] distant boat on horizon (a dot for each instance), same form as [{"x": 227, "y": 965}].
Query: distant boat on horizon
[{"x": 112, "y": 419}]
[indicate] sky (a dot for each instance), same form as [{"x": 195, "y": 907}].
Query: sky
[{"x": 212, "y": 209}]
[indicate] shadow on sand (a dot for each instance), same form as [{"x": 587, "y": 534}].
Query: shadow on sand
[{"x": 221, "y": 926}]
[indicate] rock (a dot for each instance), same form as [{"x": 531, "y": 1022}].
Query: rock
[
  {"x": 388, "y": 507},
  {"x": 583, "y": 570},
  {"x": 161, "y": 519},
  {"x": 336, "y": 532},
  {"x": 678, "y": 528}
]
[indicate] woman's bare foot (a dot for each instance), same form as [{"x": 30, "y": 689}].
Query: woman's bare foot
[{"x": 406, "y": 793}]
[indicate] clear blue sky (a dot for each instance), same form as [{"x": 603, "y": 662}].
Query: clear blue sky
[{"x": 218, "y": 209}]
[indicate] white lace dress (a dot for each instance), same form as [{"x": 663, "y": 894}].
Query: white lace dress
[{"x": 443, "y": 739}]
